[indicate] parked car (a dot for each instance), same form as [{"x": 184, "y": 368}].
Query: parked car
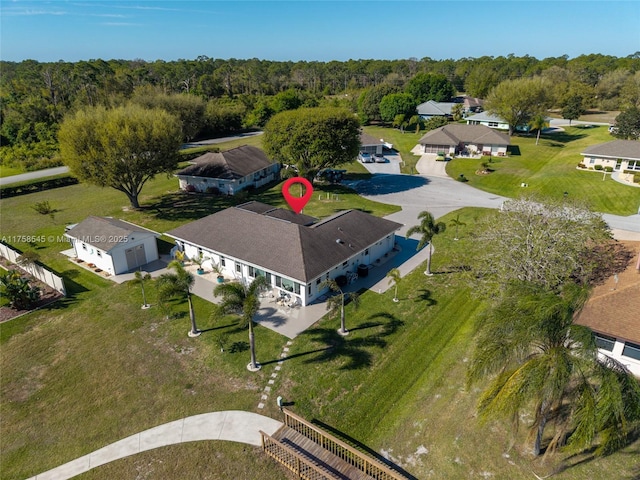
[
  {"x": 365, "y": 157},
  {"x": 379, "y": 158}
]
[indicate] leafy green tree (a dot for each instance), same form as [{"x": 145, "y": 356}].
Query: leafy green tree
[
  {"x": 435, "y": 122},
  {"x": 430, "y": 86},
  {"x": 538, "y": 122},
  {"x": 17, "y": 290},
  {"x": 120, "y": 148},
  {"x": 337, "y": 302},
  {"x": 397, "y": 104},
  {"x": 369, "y": 101},
  {"x": 517, "y": 101},
  {"x": 573, "y": 108},
  {"x": 394, "y": 278},
  {"x": 538, "y": 360},
  {"x": 311, "y": 139},
  {"x": 541, "y": 241},
  {"x": 189, "y": 109},
  {"x": 628, "y": 124},
  {"x": 178, "y": 284},
  {"x": 427, "y": 229},
  {"x": 243, "y": 299}
]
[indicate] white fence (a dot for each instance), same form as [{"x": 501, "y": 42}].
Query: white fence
[{"x": 38, "y": 271}]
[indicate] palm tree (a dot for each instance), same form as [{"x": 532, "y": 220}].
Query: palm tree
[
  {"x": 456, "y": 222},
  {"x": 178, "y": 284},
  {"x": 538, "y": 122},
  {"x": 394, "y": 278},
  {"x": 243, "y": 299},
  {"x": 538, "y": 358},
  {"x": 141, "y": 277},
  {"x": 338, "y": 301},
  {"x": 428, "y": 229}
]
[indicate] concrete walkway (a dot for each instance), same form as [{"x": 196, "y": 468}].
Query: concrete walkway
[{"x": 233, "y": 425}]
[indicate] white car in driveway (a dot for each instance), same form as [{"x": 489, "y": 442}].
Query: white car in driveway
[
  {"x": 379, "y": 158},
  {"x": 365, "y": 157}
]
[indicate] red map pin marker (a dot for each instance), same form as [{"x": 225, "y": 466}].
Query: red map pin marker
[{"x": 297, "y": 203}]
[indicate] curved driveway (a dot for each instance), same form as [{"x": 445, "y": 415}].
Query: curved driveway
[{"x": 433, "y": 190}]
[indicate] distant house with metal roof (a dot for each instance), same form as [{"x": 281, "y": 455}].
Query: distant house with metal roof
[
  {"x": 296, "y": 253},
  {"x": 620, "y": 155},
  {"x": 113, "y": 245},
  {"x": 459, "y": 139},
  {"x": 229, "y": 172}
]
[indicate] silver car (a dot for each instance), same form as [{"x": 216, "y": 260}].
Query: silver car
[
  {"x": 379, "y": 158},
  {"x": 365, "y": 157}
]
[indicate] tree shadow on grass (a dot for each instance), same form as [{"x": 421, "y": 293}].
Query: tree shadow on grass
[
  {"x": 356, "y": 350},
  {"x": 183, "y": 206},
  {"x": 362, "y": 448},
  {"x": 424, "y": 295}
]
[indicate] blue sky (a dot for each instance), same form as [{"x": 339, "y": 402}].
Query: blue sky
[{"x": 51, "y": 30}]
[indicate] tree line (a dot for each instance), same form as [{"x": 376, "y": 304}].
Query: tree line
[{"x": 213, "y": 96}]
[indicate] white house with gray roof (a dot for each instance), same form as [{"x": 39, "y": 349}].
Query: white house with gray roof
[
  {"x": 229, "y": 172},
  {"x": 458, "y": 139},
  {"x": 112, "y": 245},
  {"x": 620, "y": 155},
  {"x": 296, "y": 253}
]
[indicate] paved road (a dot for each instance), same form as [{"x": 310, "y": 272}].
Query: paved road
[
  {"x": 434, "y": 191},
  {"x": 23, "y": 177},
  {"x": 234, "y": 425}
]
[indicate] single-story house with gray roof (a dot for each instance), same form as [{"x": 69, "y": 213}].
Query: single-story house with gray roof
[
  {"x": 620, "y": 155},
  {"x": 112, "y": 245},
  {"x": 370, "y": 144},
  {"x": 229, "y": 172},
  {"x": 296, "y": 253},
  {"x": 431, "y": 109},
  {"x": 459, "y": 139}
]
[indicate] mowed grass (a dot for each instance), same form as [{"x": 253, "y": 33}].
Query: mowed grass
[
  {"x": 403, "y": 142},
  {"x": 549, "y": 169},
  {"x": 77, "y": 377}
]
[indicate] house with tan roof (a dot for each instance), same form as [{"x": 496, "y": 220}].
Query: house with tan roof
[
  {"x": 618, "y": 155},
  {"x": 458, "y": 139},
  {"x": 229, "y": 172},
  {"x": 613, "y": 313},
  {"x": 111, "y": 245},
  {"x": 296, "y": 253}
]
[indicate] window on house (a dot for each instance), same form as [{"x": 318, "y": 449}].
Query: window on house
[
  {"x": 223, "y": 263},
  {"x": 366, "y": 252},
  {"x": 631, "y": 350},
  {"x": 605, "y": 342},
  {"x": 309, "y": 289},
  {"x": 238, "y": 267},
  {"x": 318, "y": 280},
  {"x": 493, "y": 124},
  {"x": 633, "y": 165},
  {"x": 344, "y": 264},
  {"x": 592, "y": 161}
]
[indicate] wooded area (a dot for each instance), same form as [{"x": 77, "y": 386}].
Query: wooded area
[{"x": 214, "y": 96}]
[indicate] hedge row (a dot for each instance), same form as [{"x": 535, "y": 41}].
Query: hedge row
[{"x": 24, "y": 188}]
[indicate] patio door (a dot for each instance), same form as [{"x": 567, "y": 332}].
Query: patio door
[{"x": 136, "y": 256}]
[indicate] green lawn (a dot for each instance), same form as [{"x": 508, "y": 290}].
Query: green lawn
[
  {"x": 549, "y": 169},
  {"x": 95, "y": 368},
  {"x": 82, "y": 374},
  {"x": 403, "y": 142}
]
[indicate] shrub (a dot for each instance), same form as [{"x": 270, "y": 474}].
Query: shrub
[
  {"x": 608, "y": 169},
  {"x": 462, "y": 178},
  {"x": 43, "y": 208},
  {"x": 581, "y": 165},
  {"x": 16, "y": 288},
  {"x": 14, "y": 190},
  {"x": 190, "y": 188},
  {"x": 598, "y": 167},
  {"x": 213, "y": 190}
]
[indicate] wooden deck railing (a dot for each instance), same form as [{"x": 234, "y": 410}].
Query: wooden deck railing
[
  {"x": 292, "y": 460},
  {"x": 360, "y": 460}
]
